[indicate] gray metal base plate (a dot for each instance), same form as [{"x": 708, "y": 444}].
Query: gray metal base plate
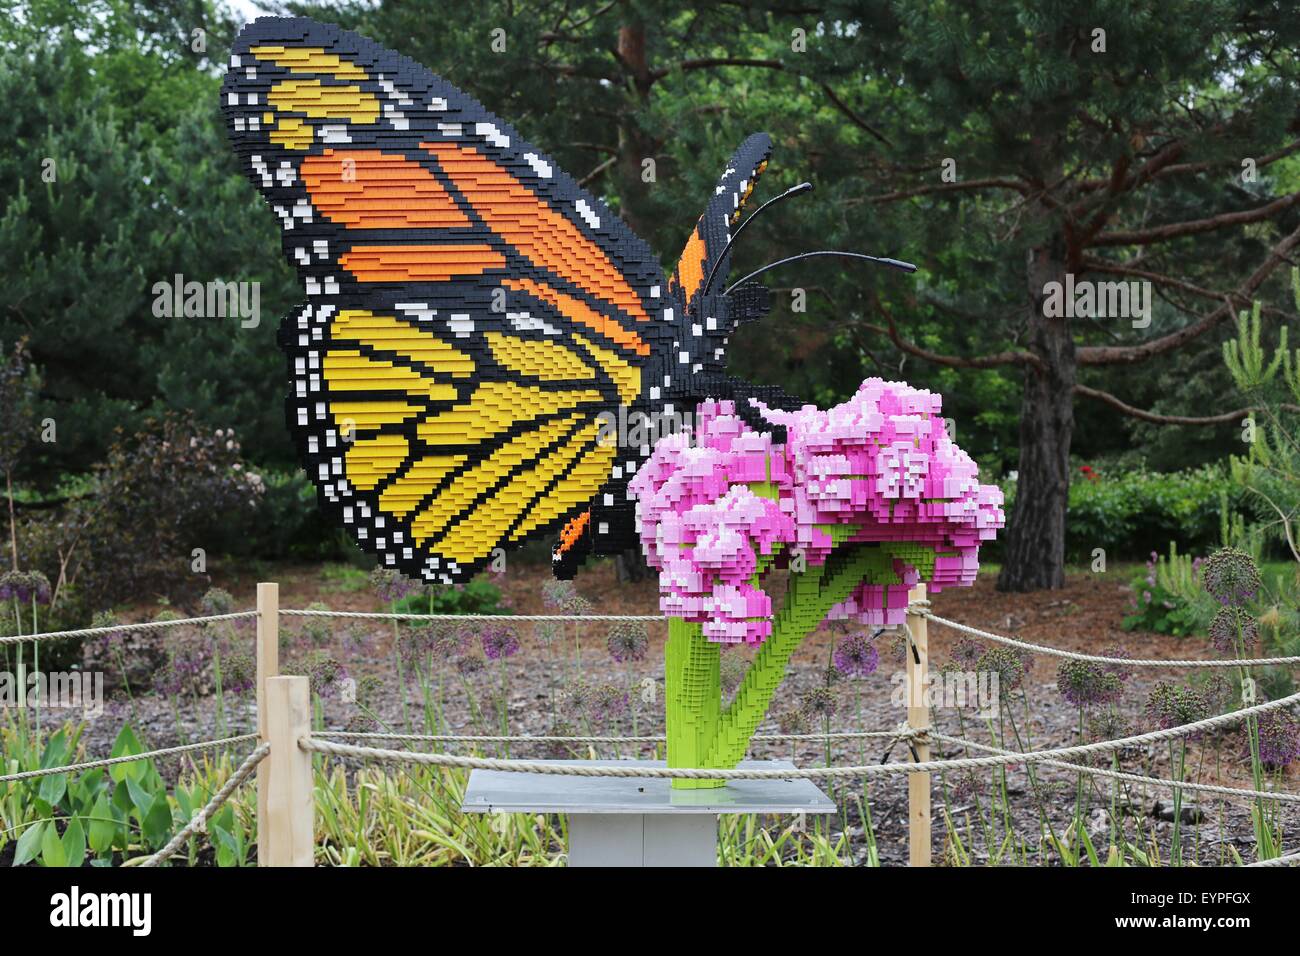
[{"x": 640, "y": 821}]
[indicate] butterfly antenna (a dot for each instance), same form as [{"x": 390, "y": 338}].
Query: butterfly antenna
[
  {"x": 881, "y": 260},
  {"x": 792, "y": 191}
]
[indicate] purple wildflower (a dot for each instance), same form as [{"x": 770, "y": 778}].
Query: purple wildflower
[
  {"x": 577, "y": 695},
  {"x": 1231, "y": 624},
  {"x": 40, "y": 585},
  {"x": 239, "y": 672},
  {"x": 326, "y": 675},
  {"x": 447, "y": 641},
  {"x": 1171, "y": 705},
  {"x": 792, "y": 720},
  {"x": 1083, "y": 683},
  {"x": 390, "y": 585},
  {"x": 412, "y": 643},
  {"x": 966, "y": 653},
  {"x": 1279, "y": 739},
  {"x": 964, "y": 786},
  {"x": 627, "y": 641},
  {"x": 25, "y": 587},
  {"x": 1121, "y": 672},
  {"x": 607, "y": 701},
  {"x": 469, "y": 664},
  {"x": 357, "y": 640},
  {"x": 856, "y": 656},
  {"x": 1108, "y": 725},
  {"x": 1008, "y": 665},
  {"x": 1231, "y": 576},
  {"x": 818, "y": 703},
  {"x": 499, "y": 642},
  {"x": 563, "y": 596}
]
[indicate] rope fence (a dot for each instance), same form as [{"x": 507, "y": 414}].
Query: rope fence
[
  {"x": 127, "y": 758},
  {"x": 285, "y": 735},
  {"x": 311, "y": 743},
  {"x": 1291, "y": 859},
  {"x": 120, "y": 628},
  {"x": 1165, "y": 782},
  {"x": 921, "y": 608},
  {"x": 199, "y": 822},
  {"x": 389, "y": 616},
  {"x": 903, "y": 733},
  {"x": 547, "y": 739},
  {"x": 923, "y": 611}
]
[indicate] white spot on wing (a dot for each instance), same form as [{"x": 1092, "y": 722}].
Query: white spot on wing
[
  {"x": 589, "y": 217},
  {"x": 540, "y": 166},
  {"x": 492, "y": 134}
]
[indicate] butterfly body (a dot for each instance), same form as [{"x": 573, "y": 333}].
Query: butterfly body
[{"x": 474, "y": 319}]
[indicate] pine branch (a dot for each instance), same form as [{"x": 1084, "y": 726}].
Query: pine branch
[
  {"x": 952, "y": 361},
  {"x": 1175, "y": 230},
  {"x": 991, "y": 182},
  {"x": 1131, "y": 354},
  {"x": 1120, "y": 405}
]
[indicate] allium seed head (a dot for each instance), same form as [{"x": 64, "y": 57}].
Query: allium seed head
[
  {"x": 628, "y": 641},
  {"x": 1232, "y": 627},
  {"x": 856, "y": 656},
  {"x": 1231, "y": 576}
]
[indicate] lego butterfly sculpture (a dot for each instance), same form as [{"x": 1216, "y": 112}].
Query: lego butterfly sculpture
[{"x": 475, "y": 319}]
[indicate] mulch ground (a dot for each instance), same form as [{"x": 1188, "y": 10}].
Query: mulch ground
[{"x": 1085, "y": 615}]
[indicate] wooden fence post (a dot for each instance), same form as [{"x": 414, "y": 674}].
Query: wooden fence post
[
  {"x": 918, "y": 718},
  {"x": 290, "y": 806},
  {"x": 268, "y": 666}
]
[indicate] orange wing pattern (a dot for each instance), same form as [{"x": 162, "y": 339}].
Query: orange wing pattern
[
  {"x": 723, "y": 212},
  {"x": 472, "y": 315},
  {"x": 475, "y": 322}
]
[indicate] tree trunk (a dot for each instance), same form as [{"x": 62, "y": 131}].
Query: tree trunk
[
  {"x": 1034, "y": 552},
  {"x": 630, "y": 566},
  {"x": 634, "y": 145}
]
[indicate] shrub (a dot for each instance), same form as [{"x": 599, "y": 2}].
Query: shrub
[
  {"x": 287, "y": 522},
  {"x": 1168, "y": 597},
  {"x": 1131, "y": 513},
  {"x": 132, "y": 531},
  {"x": 476, "y": 597}
]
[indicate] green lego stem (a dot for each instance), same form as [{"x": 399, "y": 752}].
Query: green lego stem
[
  {"x": 693, "y": 692},
  {"x": 809, "y": 597},
  {"x": 700, "y": 734}
]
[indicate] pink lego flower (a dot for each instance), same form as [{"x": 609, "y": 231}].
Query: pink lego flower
[{"x": 718, "y": 509}]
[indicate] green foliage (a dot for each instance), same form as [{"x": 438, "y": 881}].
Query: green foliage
[
  {"x": 106, "y": 815},
  {"x": 478, "y": 596},
  {"x": 1168, "y": 597},
  {"x": 159, "y": 495},
  {"x": 1131, "y": 513},
  {"x": 285, "y": 522},
  {"x": 18, "y": 389},
  {"x": 103, "y": 195},
  {"x": 1269, "y": 473}
]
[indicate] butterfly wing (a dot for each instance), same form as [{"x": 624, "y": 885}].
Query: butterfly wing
[
  {"x": 705, "y": 246},
  {"x": 708, "y": 316},
  {"x": 473, "y": 317}
]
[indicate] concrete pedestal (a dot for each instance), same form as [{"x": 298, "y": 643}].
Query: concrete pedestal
[{"x": 640, "y": 821}]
